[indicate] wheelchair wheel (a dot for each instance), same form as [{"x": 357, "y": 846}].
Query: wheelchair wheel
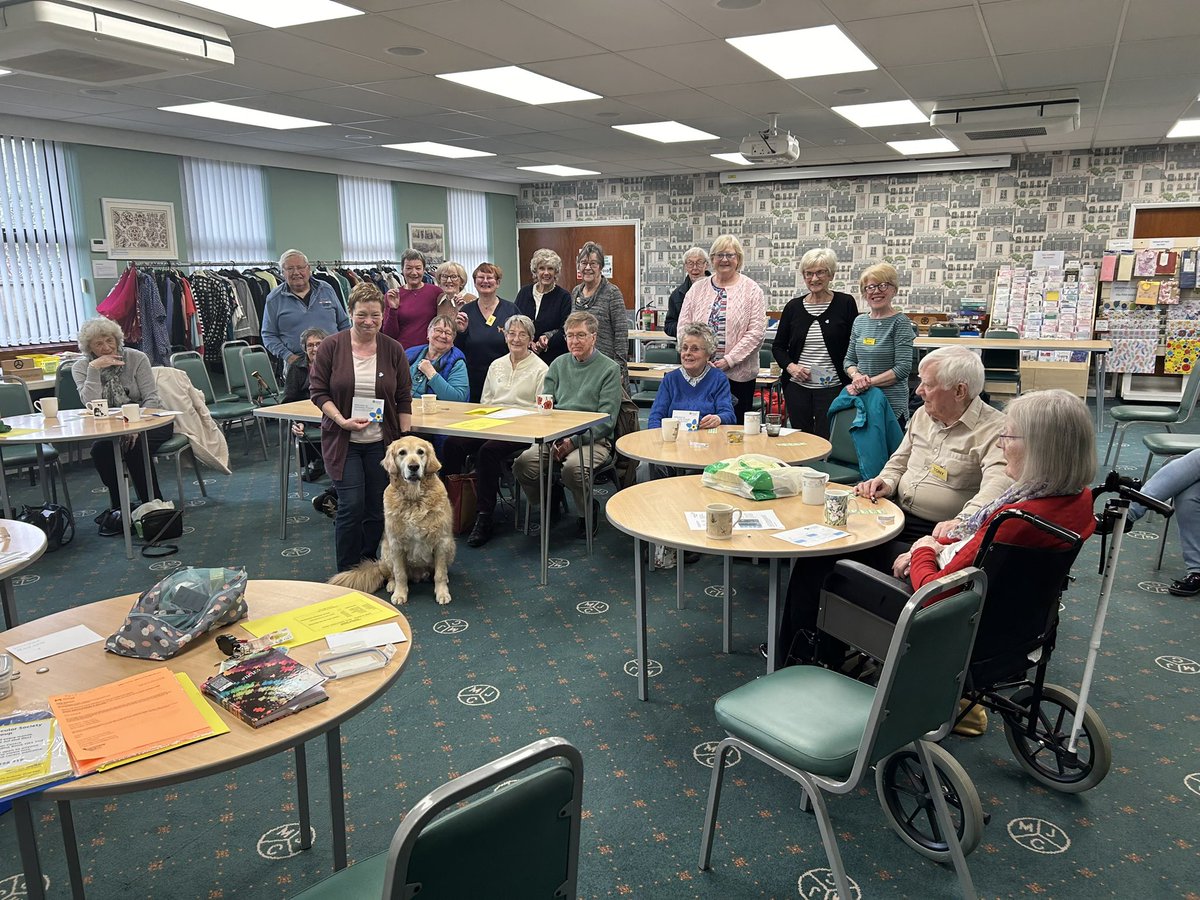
[
  {"x": 903, "y": 790},
  {"x": 1045, "y": 756}
]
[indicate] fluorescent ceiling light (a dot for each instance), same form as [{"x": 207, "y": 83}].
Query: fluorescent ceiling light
[
  {"x": 736, "y": 158},
  {"x": 916, "y": 148},
  {"x": 564, "y": 171},
  {"x": 227, "y": 112},
  {"x": 432, "y": 148},
  {"x": 851, "y": 170},
  {"x": 278, "y": 13},
  {"x": 1185, "y": 128},
  {"x": 520, "y": 84},
  {"x": 667, "y": 132},
  {"x": 5, "y": 72},
  {"x": 876, "y": 115},
  {"x": 805, "y": 53}
]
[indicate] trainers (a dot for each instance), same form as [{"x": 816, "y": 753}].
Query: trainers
[
  {"x": 326, "y": 503},
  {"x": 664, "y": 557},
  {"x": 1186, "y": 587}
]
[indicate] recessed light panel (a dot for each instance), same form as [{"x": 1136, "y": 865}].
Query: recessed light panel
[
  {"x": 227, "y": 112},
  {"x": 279, "y": 13},
  {"x": 917, "y": 148},
  {"x": 520, "y": 84},
  {"x": 667, "y": 132},
  {"x": 4, "y": 72},
  {"x": 1185, "y": 128},
  {"x": 805, "y": 52},
  {"x": 432, "y": 148},
  {"x": 563, "y": 171},
  {"x": 877, "y": 115},
  {"x": 735, "y": 158}
]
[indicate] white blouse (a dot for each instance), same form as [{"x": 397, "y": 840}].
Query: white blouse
[{"x": 508, "y": 386}]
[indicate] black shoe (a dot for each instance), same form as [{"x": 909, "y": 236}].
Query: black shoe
[
  {"x": 111, "y": 526},
  {"x": 481, "y": 533},
  {"x": 99, "y": 520},
  {"x": 313, "y": 471},
  {"x": 582, "y": 530},
  {"x": 1186, "y": 587},
  {"x": 326, "y": 502}
]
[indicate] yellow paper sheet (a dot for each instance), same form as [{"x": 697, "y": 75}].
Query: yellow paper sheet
[
  {"x": 477, "y": 424},
  {"x": 315, "y": 621},
  {"x": 20, "y": 432},
  {"x": 205, "y": 709},
  {"x": 485, "y": 410},
  {"x": 27, "y": 737}
]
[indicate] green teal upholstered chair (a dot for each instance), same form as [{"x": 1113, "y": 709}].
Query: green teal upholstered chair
[
  {"x": 647, "y": 391},
  {"x": 944, "y": 330},
  {"x": 826, "y": 730},
  {"x": 521, "y": 840},
  {"x": 1167, "y": 444},
  {"x": 1003, "y": 366},
  {"x": 841, "y": 465},
  {"x": 231, "y": 352},
  {"x": 16, "y": 401},
  {"x": 1125, "y": 415},
  {"x": 191, "y": 364}
]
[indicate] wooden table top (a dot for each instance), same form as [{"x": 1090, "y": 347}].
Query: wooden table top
[
  {"x": 23, "y": 538},
  {"x": 1014, "y": 344},
  {"x": 654, "y": 511},
  {"x": 646, "y": 371},
  {"x": 77, "y": 425},
  {"x": 697, "y": 449},
  {"x": 91, "y": 666},
  {"x": 639, "y": 334}
]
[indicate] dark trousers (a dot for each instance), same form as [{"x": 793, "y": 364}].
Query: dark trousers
[
  {"x": 743, "y": 398},
  {"x": 808, "y": 408},
  {"x": 358, "y": 526},
  {"x": 798, "y": 623},
  {"x": 490, "y": 457},
  {"x": 106, "y": 464}
]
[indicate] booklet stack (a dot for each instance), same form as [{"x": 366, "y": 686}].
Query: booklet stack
[
  {"x": 32, "y": 754},
  {"x": 266, "y": 687}
]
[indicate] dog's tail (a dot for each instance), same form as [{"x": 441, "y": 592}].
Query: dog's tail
[{"x": 368, "y": 576}]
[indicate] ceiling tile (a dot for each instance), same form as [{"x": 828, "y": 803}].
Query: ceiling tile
[
  {"x": 1147, "y": 59},
  {"x": 608, "y": 23},
  {"x": 831, "y": 90},
  {"x": 680, "y": 104},
  {"x": 763, "y": 97},
  {"x": 761, "y": 19},
  {"x": 442, "y": 93},
  {"x": 606, "y": 74},
  {"x": 1021, "y": 26},
  {"x": 701, "y": 64},
  {"x": 294, "y": 53},
  {"x": 945, "y": 80},
  {"x": 1150, "y": 92},
  {"x": 907, "y": 40},
  {"x": 376, "y": 102},
  {"x": 1112, "y": 135},
  {"x": 1150, "y": 19},
  {"x": 854, "y": 10},
  {"x": 263, "y": 78},
  {"x": 1045, "y": 70},
  {"x": 194, "y": 87},
  {"x": 497, "y": 29}
]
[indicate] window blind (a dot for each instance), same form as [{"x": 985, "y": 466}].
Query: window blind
[
  {"x": 466, "y": 230},
  {"x": 368, "y": 217},
  {"x": 40, "y": 299},
  {"x": 226, "y": 210}
]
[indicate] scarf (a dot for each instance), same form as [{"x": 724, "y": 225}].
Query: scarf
[
  {"x": 1013, "y": 494},
  {"x": 110, "y": 385}
]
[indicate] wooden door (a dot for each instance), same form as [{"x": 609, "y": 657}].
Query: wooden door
[
  {"x": 619, "y": 243},
  {"x": 1169, "y": 221}
]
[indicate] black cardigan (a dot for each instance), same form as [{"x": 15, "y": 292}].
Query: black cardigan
[
  {"x": 556, "y": 306},
  {"x": 835, "y": 324}
]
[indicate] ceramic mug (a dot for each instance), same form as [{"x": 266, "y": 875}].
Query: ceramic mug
[
  {"x": 721, "y": 517},
  {"x": 47, "y": 406},
  {"x": 837, "y": 507},
  {"x": 428, "y": 404},
  {"x": 98, "y": 408},
  {"x": 545, "y": 403},
  {"x": 670, "y": 430},
  {"x": 812, "y": 488},
  {"x": 753, "y": 423},
  {"x": 131, "y": 412}
]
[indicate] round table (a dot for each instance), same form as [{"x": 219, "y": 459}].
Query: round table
[
  {"x": 697, "y": 449},
  {"x": 653, "y": 511},
  {"x": 91, "y": 666},
  {"x": 21, "y": 545},
  {"x": 74, "y": 425}
]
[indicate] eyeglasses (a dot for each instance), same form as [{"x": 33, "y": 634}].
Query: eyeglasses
[
  {"x": 450, "y": 277},
  {"x": 294, "y": 270},
  {"x": 877, "y": 288},
  {"x": 589, "y": 264},
  {"x": 578, "y": 335},
  {"x": 817, "y": 273},
  {"x": 444, "y": 332},
  {"x": 724, "y": 256}
]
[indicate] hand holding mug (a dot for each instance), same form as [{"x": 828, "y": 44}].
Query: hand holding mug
[{"x": 425, "y": 367}]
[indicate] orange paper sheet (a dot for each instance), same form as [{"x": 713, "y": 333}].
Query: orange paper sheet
[{"x": 127, "y": 718}]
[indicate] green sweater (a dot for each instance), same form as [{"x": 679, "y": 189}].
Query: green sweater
[{"x": 592, "y": 386}]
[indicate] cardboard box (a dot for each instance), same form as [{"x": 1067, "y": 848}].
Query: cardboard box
[{"x": 21, "y": 367}]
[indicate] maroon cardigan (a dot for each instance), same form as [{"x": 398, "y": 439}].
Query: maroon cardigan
[{"x": 331, "y": 377}]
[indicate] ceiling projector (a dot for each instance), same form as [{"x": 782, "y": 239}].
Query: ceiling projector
[{"x": 771, "y": 145}]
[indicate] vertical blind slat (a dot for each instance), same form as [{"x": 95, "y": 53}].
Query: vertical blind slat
[
  {"x": 466, "y": 228},
  {"x": 367, "y": 218},
  {"x": 226, "y": 214}
]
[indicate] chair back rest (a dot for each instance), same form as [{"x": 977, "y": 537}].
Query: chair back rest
[
  {"x": 255, "y": 362},
  {"x": 944, "y": 331},
  {"x": 523, "y": 837},
  {"x": 926, "y": 665},
  {"x": 231, "y": 352},
  {"x": 1187, "y": 403},
  {"x": 840, "y": 438},
  {"x": 1001, "y": 359},
  {"x": 661, "y": 355},
  {"x": 66, "y": 390},
  {"x": 14, "y": 398},
  {"x": 191, "y": 364}
]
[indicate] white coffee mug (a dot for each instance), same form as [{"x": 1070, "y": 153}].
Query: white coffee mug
[
  {"x": 812, "y": 488},
  {"x": 428, "y": 403},
  {"x": 721, "y": 517},
  {"x": 98, "y": 408},
  {"x": 545, "y": 403},
  {"x": 131, "y": 412},
  {"x": 753, "y": 423},
  {"x": 47, "y": 406},
  {"x": 670, "y": 430},
  {"x": 837, "y": 507}
]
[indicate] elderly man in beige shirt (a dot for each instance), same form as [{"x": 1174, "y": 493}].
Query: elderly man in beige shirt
[{"x": 948, "y": 466}]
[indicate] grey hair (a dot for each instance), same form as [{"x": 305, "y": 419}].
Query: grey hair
[
  {"x": 409, "y": 254},
  {"x": 699, "y": 330},
  {"x": 1058, "y": 437},
  {"x": 588, "y": 249},
  {"x": 444, "y": 321},
  {"x": 312, "y": 332},
  {"x": 288, "y": 254},
  {"x": 955, "y": 366},
  {"x": 820, "y": 256},
  {"x": 582, "y": 318},
  {"x": 523, "y": 322},
  {"x": 696, "y": 251},
  {"x": 544, "y": 257},
  {"x": 100, "y": 327}
]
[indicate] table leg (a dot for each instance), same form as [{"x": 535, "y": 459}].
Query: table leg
[
  {"x": 545, "y": 483},
  {"x": 680, "y": 603},
  {"x": 41, "y": 458},
  {"x": 27, "y": 842},
  {"x": 8, "y": 600},
  {"x": 123, "y": 494},
  {"x": 1100, "y": 386},
  {"x": 589, "y": 472},
  {"x": 71, "y": 845},
  {"x": 284, "y": 453},
  {"x": 639, "y": 606},
  {"x": 772, "y": 613},
  {"x": 302, "y": 797},
  {"x": 727, "y": 603},
  {"x": 337, "y": 800}
]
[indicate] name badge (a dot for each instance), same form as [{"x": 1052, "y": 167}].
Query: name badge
[
  {"x": 870, "y": 342},
  {"x": 489, "y": 321},
  {"x": 939, "y": 472}
]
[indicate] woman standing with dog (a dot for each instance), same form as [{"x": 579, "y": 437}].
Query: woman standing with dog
[{"x": 354, "y": 373}]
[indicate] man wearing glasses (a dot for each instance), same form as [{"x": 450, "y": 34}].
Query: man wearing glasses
[{"x": 300, "y": 303}]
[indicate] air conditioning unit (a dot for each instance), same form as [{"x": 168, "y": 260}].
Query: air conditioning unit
[
  {"x": 1001, "y": 118},
  {"x": 107, "y": 41}
]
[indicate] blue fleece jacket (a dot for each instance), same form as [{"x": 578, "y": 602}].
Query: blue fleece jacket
[
  {"x": 450, "y": 382},
  {"x": 875, "y": 431}
]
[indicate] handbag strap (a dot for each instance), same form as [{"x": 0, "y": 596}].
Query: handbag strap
[{"x": 154, "y": 549}]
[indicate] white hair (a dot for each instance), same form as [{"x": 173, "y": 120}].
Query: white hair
[
  {"x": 955, "y": 366},
  {"x": 288, "y": 254}
]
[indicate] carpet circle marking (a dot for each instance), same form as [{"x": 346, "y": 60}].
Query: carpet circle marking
[
  {"x": 1143, "y": 535},
  {"x": 14, "y": 888},
  {"x": 293, "y": 552},
  {"x": 165, "y": 565},
  {"x": 197, "y": 501},
  {"x": 592, "y": 607},
  {"x": 451, "y": 626},
  {"x": 716, "y": 590},
  {"x": 706, "y": 755},
  {"x": 282, "y": 842},
  {"x": 1179, "y": 664},
  {"x": 818, "y": 884},
  {"x": 1038, "y": 835},
  {"x": 296, "y": 520},
  {"x": 80, "y": 514},
  {"x": 557, "y": 562},
  {"x": 653, "y": 667},
  {"x": 22, "y": 581},
  {"x": 1192, "y": 782},
  {"x": 478, "y": 695},
  {"x": 1153, "y": 587}
]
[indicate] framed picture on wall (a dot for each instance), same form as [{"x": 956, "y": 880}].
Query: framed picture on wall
[
  {"x": 139, "y": 229},
  {"x": 429, "y": 240}
]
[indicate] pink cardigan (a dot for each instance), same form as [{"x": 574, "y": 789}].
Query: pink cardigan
[{"x": 745, "y": 321}]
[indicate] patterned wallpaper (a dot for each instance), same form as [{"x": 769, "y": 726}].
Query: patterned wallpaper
[{"x": 947, "y": 234}]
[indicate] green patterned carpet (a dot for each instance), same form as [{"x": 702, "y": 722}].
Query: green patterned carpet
[{"x": 510, "y": 661}]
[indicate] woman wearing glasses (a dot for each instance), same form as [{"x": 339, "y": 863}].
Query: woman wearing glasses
[
  {"x": 734, "y": 307},
  {"x": 452, "y": 279},
  {"x": 881, "y": 342},
  {"x": 811, "y": 342},
  {"x": 597, "y": 295}
]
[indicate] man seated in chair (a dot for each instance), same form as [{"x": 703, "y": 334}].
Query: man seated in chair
[
  {"x": 586, "y": 381},
  {"x": 948, "y": 467}
]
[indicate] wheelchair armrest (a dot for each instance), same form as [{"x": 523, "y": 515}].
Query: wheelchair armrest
[{"x": 861, "y": 605}]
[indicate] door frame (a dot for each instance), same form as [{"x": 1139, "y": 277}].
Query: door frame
[{"x": 583, "y": 223}]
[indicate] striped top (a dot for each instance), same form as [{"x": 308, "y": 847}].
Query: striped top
[
  {"x": 877, "y": 345},
  {"x": 815, "y": 353}
]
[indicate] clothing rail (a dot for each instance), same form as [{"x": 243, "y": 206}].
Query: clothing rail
[{"x": 234, "y": 263}]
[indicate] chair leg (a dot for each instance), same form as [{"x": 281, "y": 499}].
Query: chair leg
[
  {"x": 299, "y": 472},
  {"x": 944, "y": 822},
  {"x": 262, "y": 436},
  {"x": 62, "y": 477},
  {"x": 179, "y": 478},
  {"x": 828, "y": 838},
  {"x": 714, "y": 800},
  {"x": 196, "y": 469},
  {"x": 1120, "y": 443},
  {"x": 1112, "y": 435},
  {"x": 1146, "y": 471},
  {"x": 1162, "y": 543}
]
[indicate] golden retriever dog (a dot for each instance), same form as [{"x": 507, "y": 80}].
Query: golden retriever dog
[{"x": 418, "y": 538}]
